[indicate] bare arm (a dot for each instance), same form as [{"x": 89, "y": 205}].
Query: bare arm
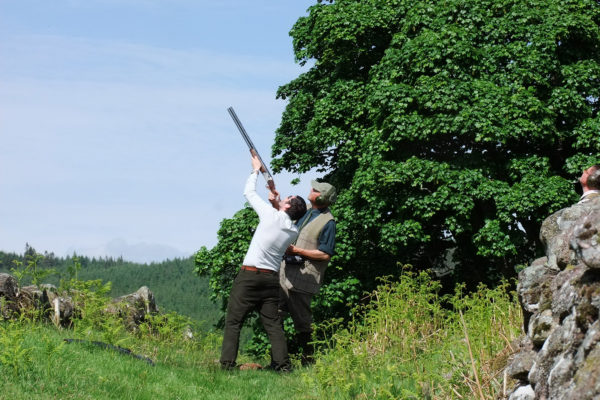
[
  {"x": 261, "y": 207},
  {"x": 274, "y": 199},
  {"x": 316, "y": 255},
  {"x": 257, "y": 165}
]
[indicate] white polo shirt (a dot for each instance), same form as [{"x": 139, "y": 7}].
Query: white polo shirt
[{"x": 274, "y": 233}]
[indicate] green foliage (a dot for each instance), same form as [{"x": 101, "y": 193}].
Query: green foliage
[
  {"x": 336, "y": 298},
  {"x": 222, "y": 262},
  {"x": 91, "y": 301},
  {"x": 15, "y": 357},
  {"x": 95, "y": 320},
  {"x": 167, "y": 328},
  {"x": 72, "y": 279},
  {"x": 184, "y": 369},
  {"x": 169, "y": 280},
  {"x": 72, "y": 275},
  {"x": 451, "y": 127},
  {"x": 30, "y": 270},
  {"x": 409, "y": 342}
]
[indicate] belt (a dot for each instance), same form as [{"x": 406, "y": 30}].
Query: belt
[{"x": 254, "y": 269}]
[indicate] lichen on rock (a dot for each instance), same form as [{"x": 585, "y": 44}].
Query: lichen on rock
[{"x": 560, "y": 298}]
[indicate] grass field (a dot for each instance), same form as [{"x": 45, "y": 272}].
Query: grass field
[
  {"x": 407, "y": 343},
  {"x": 46, "y": 367}
]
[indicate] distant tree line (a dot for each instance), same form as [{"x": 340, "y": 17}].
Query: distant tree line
[{"x": 171, "y": 281}]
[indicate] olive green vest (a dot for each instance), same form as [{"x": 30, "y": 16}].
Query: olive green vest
[{"x": 306, "y": 277}]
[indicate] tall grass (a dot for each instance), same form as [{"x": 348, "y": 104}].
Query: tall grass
[
  {"x": 412, "y": 343},
  {"x": 408, "y": 342}
]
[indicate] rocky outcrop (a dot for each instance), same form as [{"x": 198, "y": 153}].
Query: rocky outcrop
[
  {"x": 134, "y": 307},
  {"x": 559, "y": 354},
  {"x": 60, "y": 306},
  {"x": 9, "y": 291}
]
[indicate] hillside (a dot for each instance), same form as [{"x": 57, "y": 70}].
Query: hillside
[{"x": 173, "y": 282}]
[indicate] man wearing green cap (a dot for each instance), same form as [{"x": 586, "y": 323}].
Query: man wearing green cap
[{"x": 303, "y": 268}]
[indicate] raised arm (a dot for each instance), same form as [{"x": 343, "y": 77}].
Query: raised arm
[
  {"x": 259, "y": 205},
  {"x": 274, "y": 199}
]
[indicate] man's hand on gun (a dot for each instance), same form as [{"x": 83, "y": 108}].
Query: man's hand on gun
[
  {"x": 257, "y": 165},
  {"x": 274, "y": 198}
]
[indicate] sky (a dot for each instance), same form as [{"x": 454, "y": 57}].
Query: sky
[{"x": 114, "y": 134}]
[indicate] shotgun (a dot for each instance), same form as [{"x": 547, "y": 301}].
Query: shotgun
[{"x": 266, "y": 174}]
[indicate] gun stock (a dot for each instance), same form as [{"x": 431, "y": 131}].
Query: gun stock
[{"x": 265, "y": 172}]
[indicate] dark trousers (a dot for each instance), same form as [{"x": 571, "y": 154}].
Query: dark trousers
[
  {"x": 254, "y": 291},
  {"x": 297, "y": 304}
]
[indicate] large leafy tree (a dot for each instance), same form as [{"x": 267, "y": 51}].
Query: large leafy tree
[{"x": 452, "y": 129}]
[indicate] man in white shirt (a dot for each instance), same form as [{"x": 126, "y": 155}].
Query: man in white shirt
[
  {"x": 256, "y": 286},
  {"x": 590, "y": 183}
]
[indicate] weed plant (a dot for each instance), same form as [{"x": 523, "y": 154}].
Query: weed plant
[
  {"x": 411, "y": 343},
  {"x": 30, "y": 270}
]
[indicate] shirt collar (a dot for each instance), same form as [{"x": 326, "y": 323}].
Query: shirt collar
[
  {"x": 588, "y": 193},
  {"x": 584, "y": 196}
]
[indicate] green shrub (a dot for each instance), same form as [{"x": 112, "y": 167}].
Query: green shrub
[
  {"x": 15, "y": 356},
  {"x": 411, "y": 342}
]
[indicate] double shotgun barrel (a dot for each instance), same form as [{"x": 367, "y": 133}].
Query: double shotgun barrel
[{"x": 266, "y": 174}]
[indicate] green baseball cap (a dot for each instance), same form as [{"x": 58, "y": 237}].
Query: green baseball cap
[{"x": 327, "y": 191}]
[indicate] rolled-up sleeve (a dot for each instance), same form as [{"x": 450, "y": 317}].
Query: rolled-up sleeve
[{"x": 327, "y": 238}]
